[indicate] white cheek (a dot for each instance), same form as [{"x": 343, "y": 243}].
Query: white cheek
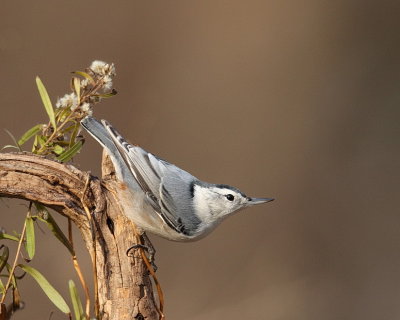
[{"x": 201, "y": 201}]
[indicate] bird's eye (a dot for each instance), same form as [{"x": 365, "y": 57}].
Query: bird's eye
[{"x": 230, "y": 197}]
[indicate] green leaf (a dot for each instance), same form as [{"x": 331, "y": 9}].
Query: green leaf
[
  {"x": 77, "y": 87},
  {"x": 74, "y": 133},
  {"x": 3, "y": 257},
  {"x": 10, "y": 146},
  {"x": 2, "y": 288},
  {"x": 54, "y": 228},
  {"x": 47, "y": 288},
  {"x": 8, "y": 236},
  {"x": 35, "y": 143},
  {"x": 62, "y": 113},
  {"x": 21, "y": 276},
  {"x": 46, "y": 101},
  {"x": 42, "y": 140},
  {"x": 85, "y": 75},
  {"x": 58, "y": 149},
  {"x": 76, "y": 301},
  {"x": 13, "y": 280},
  {"x": 30, "y": 237},
  {"x": 13, "y": 139},
  {"x": 68, "y": 154},
  {"x": 29, "y": 134}
]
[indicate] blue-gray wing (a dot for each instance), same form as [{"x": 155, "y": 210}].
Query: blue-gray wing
[{"x": 169, "y": 189}]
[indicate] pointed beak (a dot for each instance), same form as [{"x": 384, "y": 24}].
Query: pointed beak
[{"x": 253, "y": 201}]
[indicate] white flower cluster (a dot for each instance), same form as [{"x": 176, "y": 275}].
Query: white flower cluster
[
  {"x": 104, "y": 70},
  {"x": 84, "y": 83},
  {"x": 102, "y": 74},
  {"x": 85, "y": 107},
  {"x": 69, "y": 100}
]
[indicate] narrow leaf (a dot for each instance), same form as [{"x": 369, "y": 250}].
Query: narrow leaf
[
  {"x": 68, "y": 154},
  {"x": 21, "y": 276},
  {"x": 76, "y": 301},
  {"x": 58, "y": 149},
  {"x": 4, "y": 257},
  {"x": 2, "y": 288},
  {"x": 62, "y": 113},
  {"x": 55, "y": 229},
  {"x": 10, "y": 146},
  {"x": 41, "y": 140},
  {"x": 30, "y": 237},
  {"x": 77, "y": 87},
  {"x": 8, "y": 236},
  {"x": 74, "y": 134},
  {"x": 13, "y": 139},
  {"x": 13, "y": 280},
  {"x": 46, "y": 101},
  {"x": 85, "y": 75},
  {"x": 35, "y": 143},
  {"x": 29, "y": 134},
  {"x": 47, "y": 288}
]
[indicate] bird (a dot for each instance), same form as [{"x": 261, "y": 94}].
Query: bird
[{"x": 161, "y": 198}]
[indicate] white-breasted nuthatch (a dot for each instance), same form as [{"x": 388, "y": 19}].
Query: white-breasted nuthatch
[{"x": 161, "y": 198}]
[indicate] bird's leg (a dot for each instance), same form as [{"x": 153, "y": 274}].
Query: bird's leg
[
  {"x": 150, "y": 249},
  {"x": 147, "y": 246}
]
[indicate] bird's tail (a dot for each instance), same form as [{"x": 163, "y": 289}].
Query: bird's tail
[{"x": 100, "y": 133}]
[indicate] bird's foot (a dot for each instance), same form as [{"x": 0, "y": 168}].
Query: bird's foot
[{"x": 147, "y": 246}]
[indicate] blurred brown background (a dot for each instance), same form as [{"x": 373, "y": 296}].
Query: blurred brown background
[{"x": 294, "y": 100}]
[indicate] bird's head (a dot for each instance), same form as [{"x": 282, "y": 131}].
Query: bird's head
[{"x": 216, "y": 201}]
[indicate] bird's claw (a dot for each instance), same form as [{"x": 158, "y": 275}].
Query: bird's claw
[{"x": 146, "y": 247}]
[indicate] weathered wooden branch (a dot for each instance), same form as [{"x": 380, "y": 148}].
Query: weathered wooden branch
[{"x": 124, "y": 286}]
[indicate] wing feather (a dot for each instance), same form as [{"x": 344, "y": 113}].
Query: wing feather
[{"x": 167, "y": 187}]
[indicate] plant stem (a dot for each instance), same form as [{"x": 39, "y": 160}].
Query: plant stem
[
  {"x": 16, "y": 256},
  {"x": 56, "y": 131},
  {"x": 79, "y": 271}
]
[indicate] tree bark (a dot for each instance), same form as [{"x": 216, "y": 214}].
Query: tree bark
[{"x": 124, "y": 286}]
